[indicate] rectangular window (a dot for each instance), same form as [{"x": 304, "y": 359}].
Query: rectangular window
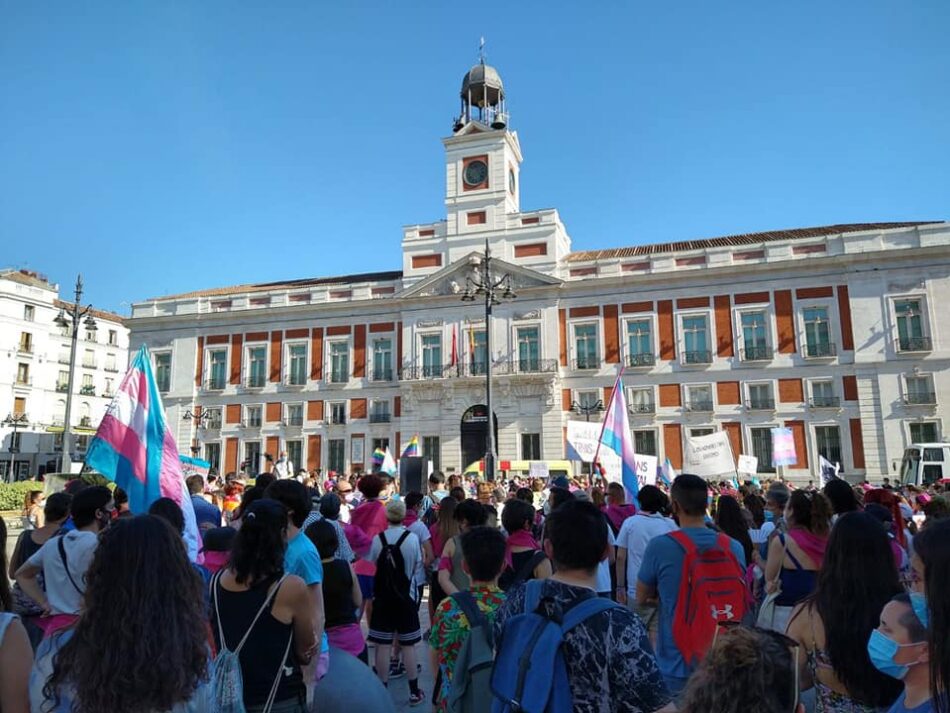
[
  {"x": 761, "y": 439},
  {"x": 339, "y": 362},
  {"x": 336, "y": 454},
  {"x": 926, "y": 432},
  {"x": 111, "y": 363},
  {"x": 589, "y": 402},
  {"x": 62, "y": 382},
  {"x": 90, "y": 335},
  {"x": 431, "y": 451},
  {"x": 297, "y": 355},
  {"x": 113, "y": 338},
  {"x": 755, "y": 346},
  {"x": 23, "y": 374},
  {"x": 910, "y": 326},
  {"x": 295, "y": 415},
  {"x": 828, "y": 442},
  {"x": 87, "y": 381},
  {"x": 256, "y": 366},
  {"x": 110, "y": 385},
  {"x": 26, "y": 342},
  {"x": 252, "y": 416},
  {"x": 379, "y": 412},
  {"x": 19, "y": 405},
  {"x": 920, "y": 390},
  {"x": 295, "y": 453},
  {"x": 89, "y": 359},
  {"x": 380, "y": 443},
  {"x": 213, "y": 455},
  {"x": 817, "y": 333},
  {"x": 640, "y": 342},
  {"x": 699, "y": 398},
  {"x": 29, "y": 313},
  {"x": 641, "y": 400},
  {"x": 696, "y": 340},
  {"x": 82, "y": 442},
  {"x": 823, "y": 395},
  {"x": 252, "y": 457},
  {"x": 213, "y": 420},
  {"x": 477, "y": 352},
  {"x": 338, "y": 412},
  {"x": 644, "y": 442},
  {"x": 530, "y": 446},
  {"x": 529, "y": 349},
  {"x": 701, "y": 431},
  {"x": 383, "y": 360},
  {"x": 585, "y": 346},
  {"x": 431, "y": 355},
  {"x": 760, "y": 396},
  {"x": 217, "y": 368}
]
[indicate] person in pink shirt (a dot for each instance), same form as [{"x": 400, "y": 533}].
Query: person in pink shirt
[{"x": 370, "y": 517}]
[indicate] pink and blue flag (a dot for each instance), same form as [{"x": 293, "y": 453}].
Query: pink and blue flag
[
  {"x": 135, "y": 449},
  {"x": 616, "y": 436}
]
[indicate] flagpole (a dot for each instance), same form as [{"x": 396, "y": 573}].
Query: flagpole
[{"x": 603, "y": 425}]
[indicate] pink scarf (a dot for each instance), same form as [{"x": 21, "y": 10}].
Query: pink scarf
[
  {"x": 370, "y": 517},
  {"x": 812, "y": 545},
  {"x": 521, "y": 538},
  {"x": 618, "y": 513},
  {"x": 411, "y": 517}
]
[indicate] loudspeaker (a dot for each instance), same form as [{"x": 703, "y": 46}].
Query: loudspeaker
[{"x": 411, "y": 475}]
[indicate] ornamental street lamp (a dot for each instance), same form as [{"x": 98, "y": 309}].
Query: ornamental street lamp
[
  {"x": 69, "y": 318},
  {"x": 17, "y": 421},
  {"x": 199, "y": 418},
  {"x": 587, "y": 409},
  {"x": 482, "y": 282}
]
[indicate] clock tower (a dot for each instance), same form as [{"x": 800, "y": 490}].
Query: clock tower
[{"x": 482, "y": 158}]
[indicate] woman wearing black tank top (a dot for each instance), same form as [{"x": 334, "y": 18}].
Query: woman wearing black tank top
[{"x": 282, "y": 637}]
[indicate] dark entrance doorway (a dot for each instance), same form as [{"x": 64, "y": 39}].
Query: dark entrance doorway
[{"x": 474, "y": 433}]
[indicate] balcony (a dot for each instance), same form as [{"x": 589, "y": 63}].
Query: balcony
[
  {"x": 298, "y": 380},
  {"x": 760, "y": 404},
  {"x": 382, "y": 374},
  {"x": 699, "y": 406},
  {"x": 649, "y": 407},
  {"x": 921, "y": 398},
  {"x": 23, "y": 382},
  {"x": 820, "y": 350},
  {"x": 527, "y": 366},
  {"x": 380, "y": 417},
  {"x": 63, "y": 359},
  {"x": 294, "y": 421},
  {"x": 337, "y": 377},
  {"x": 255, "y": 381},
  {"x": 337, "y": 419},
  {"x": 587, "y": 363},
  {"x": 215, "y": 384},
  {"x": 24, "y": 348},
  {"x": 87, "y": 390},
  {"x": 89, "y": 364},
  {"x": 85, "y": 422},
  {"x": 61, "y": 387},
  {"x": 756, "y": 354},
  {"x": 704, "y": 357},
  {"x": 112, "y": 369},
  {"x": 430, "y": 371},
  {"x": 502, "y": 367},
  {"x": 825, "y": 402},
  {"x": 254, "y": 422},
  {"x": 642, "y": 359},
  {"x": 915, "y": 344}
]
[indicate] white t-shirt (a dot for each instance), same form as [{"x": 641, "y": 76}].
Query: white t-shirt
[
  {"x": 603, "y": 569},
  {"x": 411, "y": 553},
  {"x": 80, "y": 546},
  {"x": 634, "y": 536}
]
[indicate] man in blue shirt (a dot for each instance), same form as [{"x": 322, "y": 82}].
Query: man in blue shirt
[
  {"x": 662, "y": 567},
  {"x": 301, "y": 557},
  {"x": 206, "y": 514}
]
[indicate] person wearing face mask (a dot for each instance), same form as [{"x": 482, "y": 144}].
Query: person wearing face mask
[
  {"x": 284, "y": 467},
  {"x": 931, "y": 572},
  {"x": 898, "y": 648},
  {"x": 64, "y": 559}
]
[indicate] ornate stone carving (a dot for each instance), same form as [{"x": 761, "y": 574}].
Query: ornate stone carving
[
  {"x": 530, "y": 314},
  {"x": 423, "y": 324}
]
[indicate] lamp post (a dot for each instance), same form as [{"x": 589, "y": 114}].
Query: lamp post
[
  {"x": 482, "y": 282},
  {"x": 199, "y": 418},
  {"x": 587, "y": 409},
  {"x": 70, "y": 317},
  {"x": 16, "y": 420}
]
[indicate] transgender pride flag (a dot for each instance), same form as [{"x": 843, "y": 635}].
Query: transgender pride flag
[
  {"x": 616, "y": 437},
  {"x": 135, "y": 449}
]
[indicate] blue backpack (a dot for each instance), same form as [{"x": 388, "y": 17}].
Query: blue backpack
[{"x": 530, "y": 675}]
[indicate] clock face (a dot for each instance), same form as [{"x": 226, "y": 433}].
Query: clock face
[
  {"x": 511, "y": 181},
  {"x": 475, "y": 173}
]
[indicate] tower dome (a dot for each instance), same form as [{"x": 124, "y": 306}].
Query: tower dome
[{"x": 483, "y": 98}]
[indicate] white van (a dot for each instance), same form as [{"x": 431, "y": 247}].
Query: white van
[{"x": 925, "y": 464}]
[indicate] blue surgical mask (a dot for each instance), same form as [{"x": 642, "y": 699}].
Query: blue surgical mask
[
  {"x": 882, "y": 650},
  {"x": 919, "y": 604},
  {"x": 769, "y": 516}
]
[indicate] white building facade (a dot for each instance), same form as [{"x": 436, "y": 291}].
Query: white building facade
[
  {"x": 35, "y": 373},
  {"x": 833, "y": 332}
]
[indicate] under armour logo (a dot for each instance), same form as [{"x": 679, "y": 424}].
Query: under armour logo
[{"x": 725, "y": 613}]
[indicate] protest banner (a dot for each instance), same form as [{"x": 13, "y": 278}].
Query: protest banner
[
  {"x": 748, "y": 465},
  {"x": 783, "y": 447},
  {"x": 709, "y": 456}
]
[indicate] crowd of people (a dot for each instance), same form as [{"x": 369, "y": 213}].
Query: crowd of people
[{"x": 540, "y": 595}]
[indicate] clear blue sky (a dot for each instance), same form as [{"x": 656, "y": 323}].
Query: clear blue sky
[{"x": 167, "y": 146}]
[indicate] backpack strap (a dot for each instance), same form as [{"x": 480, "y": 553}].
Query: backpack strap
[
  {"x": 402, "y": 538},
  {"x": 532, "y": 595},
  {"x": 280, "y": 672},
  {"x": 584, "y": 610},
  {"x": 527, "y": 568},
  {"x": 62, "y": 556},
  {"x": 684, "y": 541},
  {"x": 798, "y": 565},
  {"x": 271, "y": 593},
  {"x": 466, "y": 602}
]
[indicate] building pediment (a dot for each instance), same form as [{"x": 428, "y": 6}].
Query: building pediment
[{"x": 452, "y": 279}]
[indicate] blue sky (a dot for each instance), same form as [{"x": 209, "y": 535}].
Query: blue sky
[{"x": 160, "y": 147}]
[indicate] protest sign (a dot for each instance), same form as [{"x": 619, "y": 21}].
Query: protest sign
[
  {"x": 709, "y": 456},
  {"x": 783, "y": 447},
  {"x": 748, "y": 465}
]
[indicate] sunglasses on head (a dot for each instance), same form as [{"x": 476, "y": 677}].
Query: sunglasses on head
[{"x": 786, "y": 641}]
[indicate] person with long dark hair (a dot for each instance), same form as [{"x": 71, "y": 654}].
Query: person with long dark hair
[
  {"x": 931, "y": 573},
  {"x": 15, "y": 651},
  {"x": 731, "y": 521},
  {"x": 143, "y": 602},
  {"x": 841, "y": 496},
  {"x": 833, "y": 624}
]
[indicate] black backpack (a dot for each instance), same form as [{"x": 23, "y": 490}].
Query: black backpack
[
  {"x": 510, "y": 578},
  {"x": 391, "y": 582}
]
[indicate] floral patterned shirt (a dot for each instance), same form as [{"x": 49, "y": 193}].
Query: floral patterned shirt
[{"x": 450, "y": 627}]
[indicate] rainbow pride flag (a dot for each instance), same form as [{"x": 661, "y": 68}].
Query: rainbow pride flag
[{"x": 412, "y": 448}]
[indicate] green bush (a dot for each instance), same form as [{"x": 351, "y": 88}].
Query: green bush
[{"x": 12, "y": 495}]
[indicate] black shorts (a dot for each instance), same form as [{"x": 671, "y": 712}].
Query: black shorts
[{"x": 394, "y": 616}]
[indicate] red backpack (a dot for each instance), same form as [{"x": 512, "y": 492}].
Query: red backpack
[{"x": 712, "y": 590}]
